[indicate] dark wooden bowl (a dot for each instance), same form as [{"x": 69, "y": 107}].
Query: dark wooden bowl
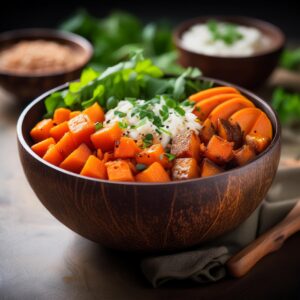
[
  {"x": 26, "y": 87},
  {"x": 251, "y": 71},
  {"x": 149, "y": 217}
]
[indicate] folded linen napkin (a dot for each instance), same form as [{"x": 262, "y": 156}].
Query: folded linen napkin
[{"x": 207, "y": 263}]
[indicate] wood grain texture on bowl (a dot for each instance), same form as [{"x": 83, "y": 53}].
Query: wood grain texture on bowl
[
  {"x": 248, "y": 71},
  {"x": 149, "y": 217}
]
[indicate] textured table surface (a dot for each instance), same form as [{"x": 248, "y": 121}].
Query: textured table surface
[{"x": 42, "y": 259}]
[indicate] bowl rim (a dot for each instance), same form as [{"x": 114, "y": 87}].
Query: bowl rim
[
  {"x": 239, "y": 19},
  {"x": 264, "y": 104},
  {"x": 48, "y": 34}
]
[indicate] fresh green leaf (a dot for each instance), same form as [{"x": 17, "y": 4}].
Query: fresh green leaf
[
  {"x": 98, "y": 126},
  {"x": 170, "y": 156},
  {"x": 148, "y": 140}
]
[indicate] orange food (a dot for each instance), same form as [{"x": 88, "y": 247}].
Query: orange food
[
  {"x": 105, "y": 138},
  {"x": 53, "y": 156},
  {"x": 119, "y": 170},
  {"x": 99, "y": 154},
  {"x": 41, "y": 148},
  {"x": 243, "y": 155},
  {"x": 219, "y": 150},
  {"x": 204, "y": 107},
  {"x": 74, "y": 114},
  {"x": 155, "y": 153},
  {"x": 154, "y": 173},
  {"x": 262, "y": 127},
  {"x": 185, "y": 168},
  {"x": 61, "y": 115},
  {"x": 41, "y": 130},
  {"x": 226, "y": 109},
  {"x": 76, "y": 160},
  {"x": 208, "y": 168},
  {"x": 95, "y": 113},
  {"x": 207, "y": 131},
  {"x": 108, "y": 156},
  {"x": 230, "y": 132},
  {"x": 212, "y": 92},
  {"x": 66, "y": 144},
  {"x": 246, "y": 118},
  {"x": 257, "y": 143},
  {"x": 58, "y": 131},
  {"x": 81, "y": 127},
  {"x": 94, "y": 167},
  {"x": 126, "y": 148}
]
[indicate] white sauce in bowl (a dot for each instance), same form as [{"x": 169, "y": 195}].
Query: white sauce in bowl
[{"x": 199, "y": 39}]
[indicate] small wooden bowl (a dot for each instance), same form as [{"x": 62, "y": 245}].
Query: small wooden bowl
[
  {"x": 26, "y": 87},
  {"x": 247, "y": 71},
  {"x": 149, "y": 217}
]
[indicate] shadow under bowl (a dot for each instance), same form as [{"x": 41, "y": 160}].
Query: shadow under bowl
[
  {"x": 247, "y": 71},
  {"x": 149, "y": 217},
  {"x": 26, "y": 87}
]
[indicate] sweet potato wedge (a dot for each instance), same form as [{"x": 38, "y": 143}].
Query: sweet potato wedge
[
  {"x": 219, "y": 150},
  {"x": 95, "y": 113},
  {"x": 243, "y": 155},
  {"x": 207, "y": 131},
  {"x": 246, "y": 118},
  {"x": 186, "y": 144},
  {"x": 119, "y": 170},
  {"x": 76, "y": 160},
  {"x": 61, "y": 115},
  {"x": 94, "y": 167},
  {"x": 257, "y": 143},
  {"x": 212, "y": 92},
  {"x": 154, "y": 173},
  {"x": 262, "y": 127},
  {"x": 41, "y": 148},
  {"x": 208, "y": 168},
  {"x": 230, "y": 132},
  {"x": 105, "y": 138},
  {"x": 185, "y": 168},
  {"x": 41, "y": 130},
  {"x": 226, "y": 109},
  {"x": 203, "y": 108}
]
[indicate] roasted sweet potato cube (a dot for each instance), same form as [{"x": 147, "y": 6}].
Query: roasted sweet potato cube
[
  {"x": 258, "y": 143},
  {"x": 119, "y": 170},
  {"x": 185, "y": 168},
  {"x": 219, "y": 150},
  {"x": 208, "y": 168},
  {"x": 186, "y": 144},
  {"x": 154, "y": 173},
  {"x": 230, "y": 132},
  {"x": 207, "y": 131},
  {"x": 243, "y": 155}
]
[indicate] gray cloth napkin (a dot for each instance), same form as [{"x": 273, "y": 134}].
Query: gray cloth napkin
[{"x": 207, "y": 263}]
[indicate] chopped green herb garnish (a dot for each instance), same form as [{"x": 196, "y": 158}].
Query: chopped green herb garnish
[
  {"x": 140, "y": 167},
  {"x": 165, "y": 131},
  {"x": 170, "y": 156},
  {"x": 120, "y": 114},
  {"x": 228, "y": 33},
  {"x": 180, "y": 111},
  {"x": 148, "y": 140},
  {"x": 122, "y": 124},
  {"x": 98, "y": 126},
  {"x": 188, "y": 102}
]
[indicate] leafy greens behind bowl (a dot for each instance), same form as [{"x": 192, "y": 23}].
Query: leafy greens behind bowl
[{"x": 137, "y": 78}]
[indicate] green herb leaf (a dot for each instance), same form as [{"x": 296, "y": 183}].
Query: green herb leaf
[
  {"x": 98, "y": 126},
  {"x": 140, "y": 167},
  {"x": 120, "y": 114},
  {"x": 148, "y": 140},
  {"x": 170, "y": 156}
]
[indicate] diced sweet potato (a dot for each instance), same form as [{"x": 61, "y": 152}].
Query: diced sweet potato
[
  {"x": 94, "y": 167},
  {"x": 154, "y": 173},
  {"x": 108, "y": 156},
  {"x": 76, "y": 160},
  {"x": 155, "y": 153},
  {"x": 208, "y": 168},
  {"x": 126, "y": 148},
  {"x": 257, "y": 143},
  {"x": 66, "y": 144},
  {"x": 230, "y": 132},
  {"x": 200, "y": 96},
  {"x": 61, "y": 115},
  {"x": 207, "y": 131},
  {"x": 95, "y": 112},
  {"x": 105, "y": 138},
  {"x": 74, "y": 114},
  {"x": 119, "y": 170},
  {"x": 58, "y": 131},
  {"x": 246, "y": 118},
  {"x": 81, "y": 128},
  {"x": 99, "y": 154},
  {"x": 186, "y": 144},
  {"x": 243, "y": 155},
  {"x": 226, "y": 109},
  {"x": 185, "y": 168},
  {"x": 41, "y": 130},
  {"x": 53, "y": 156},
  {"x": 41, "y": 148},
  {"x": 219, "y": 150},
  {"x": 203, "y": 108}
]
